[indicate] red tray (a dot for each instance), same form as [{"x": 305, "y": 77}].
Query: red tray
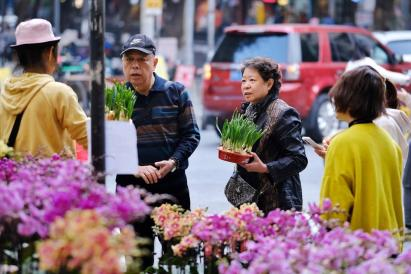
[{"x": 233, "y": 157}]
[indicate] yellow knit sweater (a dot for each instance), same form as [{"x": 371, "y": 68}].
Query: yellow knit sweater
[
  {"x": 52, "y": 117},
  {"x": 363, "y": 175}
]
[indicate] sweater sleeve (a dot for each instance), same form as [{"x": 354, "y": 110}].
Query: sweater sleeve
[
  {"x": 337, "y": 182},
  {"x": 71, "y": 116},
  {"x": 188, "y": 131}
]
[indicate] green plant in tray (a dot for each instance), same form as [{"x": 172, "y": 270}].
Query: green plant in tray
[
  {"x": 119, "y": 102},
  {"x": 239, "y": 134}
]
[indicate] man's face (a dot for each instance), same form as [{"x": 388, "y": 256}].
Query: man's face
[{"x": 138, "y": 69}]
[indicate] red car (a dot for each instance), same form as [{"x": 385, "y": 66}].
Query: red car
[{"x": 311, "y": 58}]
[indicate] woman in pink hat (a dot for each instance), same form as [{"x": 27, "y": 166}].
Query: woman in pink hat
[{"x": 38, "y": 115}]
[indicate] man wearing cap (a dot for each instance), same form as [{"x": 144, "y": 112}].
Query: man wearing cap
[
  {"x": 167, "y": 132},
  {"x": 38, "y": 115}
]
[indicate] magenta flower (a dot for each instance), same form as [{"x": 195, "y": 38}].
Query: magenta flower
[
  {"x": 214, "y": 229},
  {"x": 37, "y": 191}
]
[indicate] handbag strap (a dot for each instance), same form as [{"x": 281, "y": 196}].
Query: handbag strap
[
  {"x": 235, "y": 173},
  {"x": 16, "y": 126}
]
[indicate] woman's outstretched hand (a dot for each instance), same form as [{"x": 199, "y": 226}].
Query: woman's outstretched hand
[
  {"x": 256, "y": 165},
  {"x": 326, "y": 142},
  {"x": 321, "y": 152}
]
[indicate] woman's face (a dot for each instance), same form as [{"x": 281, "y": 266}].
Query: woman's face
[{"x": 253, "y": 86}]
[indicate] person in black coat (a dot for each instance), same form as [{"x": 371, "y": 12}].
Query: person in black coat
[{"x": 279, "y": 156}]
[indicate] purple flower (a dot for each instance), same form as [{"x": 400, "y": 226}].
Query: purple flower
[
  {"x": 373, "y": 266},
  {"x": 313, "y": 209},
  {"x": 11, "y": 203},
  {"x": 214, "y": 229},
  {"x": 326, "y": 205},
  {"x": 35, "y": 192},
  {"x": 293, "y": 242}
]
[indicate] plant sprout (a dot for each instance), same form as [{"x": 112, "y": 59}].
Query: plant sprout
[
  {"x": 239, "y": 134},
  {"x": 119, "y": 102}
]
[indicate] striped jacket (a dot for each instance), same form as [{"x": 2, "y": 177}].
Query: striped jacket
[{"x": 165, "y": 123}]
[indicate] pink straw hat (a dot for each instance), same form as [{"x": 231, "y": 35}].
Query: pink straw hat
[{"x": 34, "y": 31}]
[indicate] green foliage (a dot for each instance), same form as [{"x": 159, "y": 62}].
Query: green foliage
[
  {"x": 239, "y": 134},
  {"x": 119, "y": 102}
]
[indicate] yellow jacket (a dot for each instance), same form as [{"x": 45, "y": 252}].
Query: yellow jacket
[
  {"x": 362, "y": 174},
  {"x": 52, "y": 117}
]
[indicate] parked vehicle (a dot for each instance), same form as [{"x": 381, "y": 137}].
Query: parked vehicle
[
  {"x": 312, "y": 57},
  {"x": 398, "y": 41}
]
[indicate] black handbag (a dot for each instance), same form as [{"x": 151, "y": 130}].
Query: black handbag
[{"x": 239, "y": 192}]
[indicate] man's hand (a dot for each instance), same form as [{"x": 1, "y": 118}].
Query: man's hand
[
  {"x": 165, "y": 166},
  {"x": 256, "y": 165},
  {"x": 149, "y": 174}
]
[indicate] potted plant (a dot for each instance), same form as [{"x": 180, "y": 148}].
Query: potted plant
[
  {"x": 120, "y": 102},
  {"x": 237, "y": 139},
  {"x": 120, "y": 156}
]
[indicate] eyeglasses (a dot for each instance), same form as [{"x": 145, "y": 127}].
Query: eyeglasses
[{"x": 138, "y": 60}]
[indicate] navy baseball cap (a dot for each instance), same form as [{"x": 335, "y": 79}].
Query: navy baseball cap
[{"x": 140, "y": 42}]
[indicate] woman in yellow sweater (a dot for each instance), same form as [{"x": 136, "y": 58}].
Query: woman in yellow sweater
[
  {"x": 38, "y": 115},
  {"x": 363, "y": 164}
]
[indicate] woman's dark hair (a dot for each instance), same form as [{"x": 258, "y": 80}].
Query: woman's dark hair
[
  {"x": 267, "y": 69},
  {"x": 360, "y": 93},
  {"x": 391, "y": 99},
  {"x": 30, "y": 55}
]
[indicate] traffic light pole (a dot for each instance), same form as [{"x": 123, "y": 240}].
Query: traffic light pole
[{"x": 97, "y": 22}]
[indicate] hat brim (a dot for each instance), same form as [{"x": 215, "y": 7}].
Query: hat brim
[
  {"x": 19, "y": 45},
  {"x": 138, "y": 49}
]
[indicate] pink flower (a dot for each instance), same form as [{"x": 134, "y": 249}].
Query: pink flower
[
  {"x": 86, "y": 244},
  {"x": 35, "y": 192},
  {"x": 214, "y": 229},
  {"x": 326, "y": 205}
]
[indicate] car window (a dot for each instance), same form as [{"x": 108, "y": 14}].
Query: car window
[
  {"x": 401, "y": 46},
  {"x": 309, "y": 47},
  {"x": 342, "y": 47},
  {"x": 375, "y": 51},
  {"x": 237, "y": 47}
]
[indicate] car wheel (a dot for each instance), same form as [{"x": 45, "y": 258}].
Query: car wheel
[{"x": 322, "y": 121}]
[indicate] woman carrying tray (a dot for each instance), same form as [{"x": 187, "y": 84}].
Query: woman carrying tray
[{"x": 279, "y": 156}]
